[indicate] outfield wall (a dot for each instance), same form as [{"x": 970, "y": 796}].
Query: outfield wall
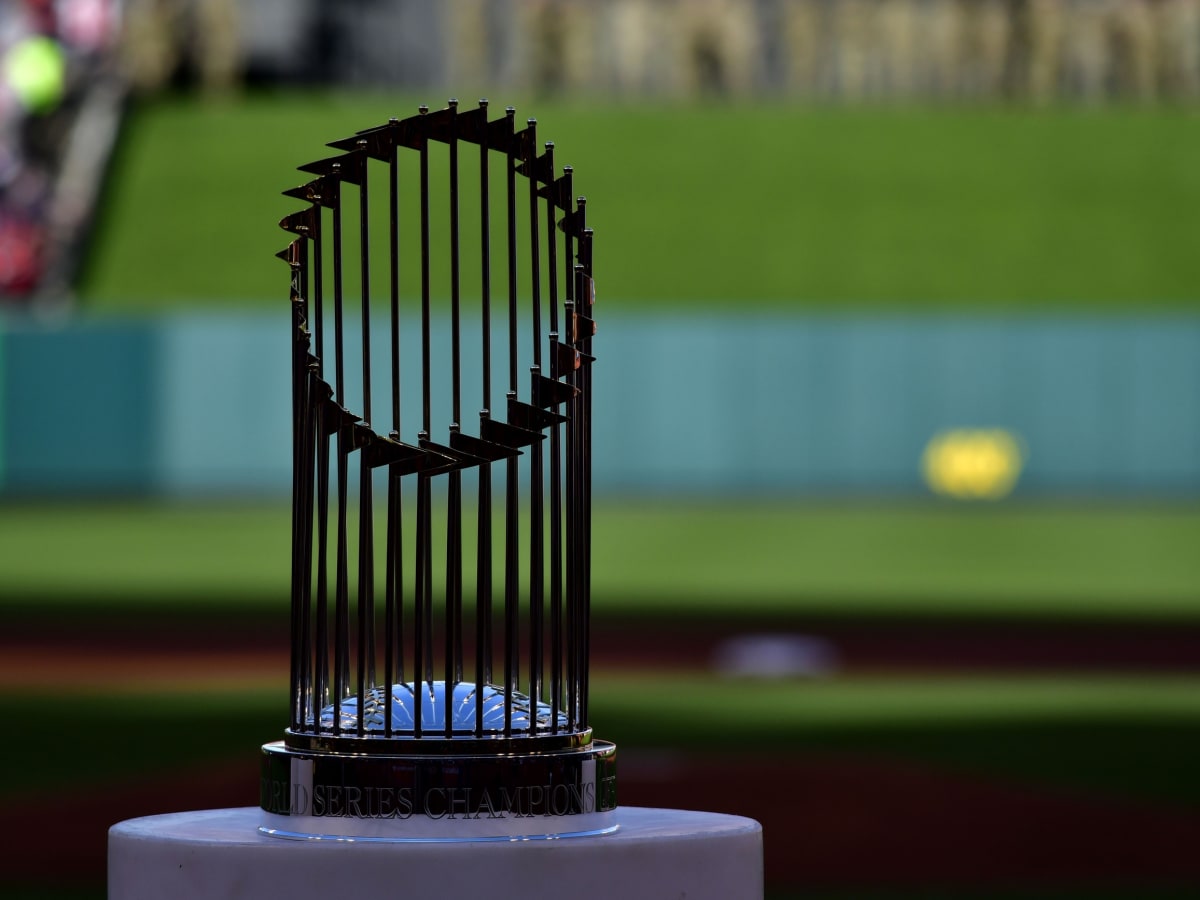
[{"x": 200, "y": 405}]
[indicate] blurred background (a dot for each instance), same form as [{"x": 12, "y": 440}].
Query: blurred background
[{"x": 898, "y": 445}]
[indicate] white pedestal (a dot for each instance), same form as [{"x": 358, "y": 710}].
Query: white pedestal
[{"x": 655, "y": 853}]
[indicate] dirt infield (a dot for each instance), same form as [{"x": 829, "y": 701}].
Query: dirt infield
[{"x": 46, "y": 652}]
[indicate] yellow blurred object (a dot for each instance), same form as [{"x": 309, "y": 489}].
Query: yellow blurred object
[
  {"x": 972, "y": 464},
  {"x": 36, "y": 72}
]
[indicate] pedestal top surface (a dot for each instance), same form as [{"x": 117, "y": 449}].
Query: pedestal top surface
[
  {"x": 240, "y": 826},
  {"x": 219, "y": 854}
]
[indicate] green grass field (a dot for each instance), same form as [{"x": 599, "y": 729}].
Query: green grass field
[
  {"x": 720, "y": 205},
  {"x": 1087, "y": 562}
]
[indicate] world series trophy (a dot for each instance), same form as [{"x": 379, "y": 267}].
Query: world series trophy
[
  {"x": 439, "y": 742},
  {"x": 458, "y": 710}
]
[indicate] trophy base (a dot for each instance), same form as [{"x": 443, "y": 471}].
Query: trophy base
[
  {"x": 325, "y": 795},
  {"x": 219, "y": 853}
]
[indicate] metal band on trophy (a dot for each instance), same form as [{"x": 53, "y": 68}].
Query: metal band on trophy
[{"x": 433, "y": 698}]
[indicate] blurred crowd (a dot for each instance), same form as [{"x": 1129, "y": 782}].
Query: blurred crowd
[
  {"x": 183, "y": 41},
  {"x": 53, "y": 54},
  {"x": 840, "y": 50},
  {"x": 51, "y": 51},
  {"x": 830, "y": 50}
]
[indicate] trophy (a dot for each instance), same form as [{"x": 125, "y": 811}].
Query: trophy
[
  {"x": 440, "y": 567},
  {"x": 438, "y": 741}
]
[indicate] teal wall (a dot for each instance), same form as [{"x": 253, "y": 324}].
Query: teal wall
[
  {"x": 200, "y": 405},
  {"x": 80, "y": 407},
  {"x": 837, "y": 404}
]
